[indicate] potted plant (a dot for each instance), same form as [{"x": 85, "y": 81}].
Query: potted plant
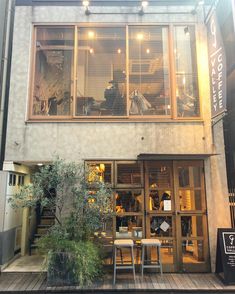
[{"x": 81, "y": 203}]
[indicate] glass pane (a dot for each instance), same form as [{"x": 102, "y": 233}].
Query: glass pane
[
  {"x": 186, "y": 72},
  {"x": 160, "y": 200},
  {"x": 52, "y": 94},
  {"x": 129, "y": 173},
  {"x": 196, "y": 176},
  {"x": 167, "y": 250},
  {"x": 183, "y": 176},
  {"x": 149, "y": 91},
  {"x": 100, "y": 171},
  {"x": 190, "y": 200},
  {"x": 159, "y": 176},
  {"x": 192, "y": 251},
  {"x": 192, "y": 226},
  {"x": 101, "y": 85},
  {"x": 129, "y": 201},
  {"x": 161, "y": 226},
  {"x": 129, "y": 227}
]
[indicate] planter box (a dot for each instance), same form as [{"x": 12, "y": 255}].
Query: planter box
[{"x": 61, "y": 269}]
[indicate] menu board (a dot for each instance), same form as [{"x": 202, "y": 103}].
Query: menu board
[{"x": 225, "y": 255}]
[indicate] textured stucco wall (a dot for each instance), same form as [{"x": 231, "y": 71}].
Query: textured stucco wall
[{"x": 124, "y": 140}]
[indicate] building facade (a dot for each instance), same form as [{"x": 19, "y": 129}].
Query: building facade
[{"x": 125, "y": 88}]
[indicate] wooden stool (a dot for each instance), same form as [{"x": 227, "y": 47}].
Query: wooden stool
[
  {"x": 151, "y": 243},
  {"x": 119, "y": 244}
]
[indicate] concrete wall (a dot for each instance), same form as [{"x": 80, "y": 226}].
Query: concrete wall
[{"x": 28, "y": 141}]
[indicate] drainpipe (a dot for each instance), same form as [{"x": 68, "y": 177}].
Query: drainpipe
[{"x": 6, "y": 71}]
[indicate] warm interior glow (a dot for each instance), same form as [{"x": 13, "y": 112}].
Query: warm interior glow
[
  {"x": 140, "y": 36},
  {"x": 91, "y": 35}
]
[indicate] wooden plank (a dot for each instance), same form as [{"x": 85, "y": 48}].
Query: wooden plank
[
  {"x": 40, "y": 281},
  {"x": 6, "y": 280},
  {"x": 27, "y": 280},
  {"x": 16, "y": 283}
]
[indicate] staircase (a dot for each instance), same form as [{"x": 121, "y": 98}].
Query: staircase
[{"x": 45, "y": 221}]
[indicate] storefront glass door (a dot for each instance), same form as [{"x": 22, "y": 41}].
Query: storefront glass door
[
  {"x": 163, "y": 200},
  {"x": 176, "y": 213}
]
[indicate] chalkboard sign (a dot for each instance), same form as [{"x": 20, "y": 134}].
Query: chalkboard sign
[{"x": 225, "y": 255}]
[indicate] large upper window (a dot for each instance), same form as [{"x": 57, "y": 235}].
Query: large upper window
[
  {"x": 53, "y": 87},
  {"x": 114, "y": 72},
  {"x": 149, "y": 92},
  {"x": 101, "y": 72},
  {"x": 186, "y": 72}
]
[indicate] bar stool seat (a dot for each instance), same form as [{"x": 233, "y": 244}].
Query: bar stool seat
[
  {"x": 151, "y": 243},
  {"x": 123, "y": 243}
]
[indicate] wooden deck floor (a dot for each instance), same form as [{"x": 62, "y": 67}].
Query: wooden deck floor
[{"x": 168, "y": 283}]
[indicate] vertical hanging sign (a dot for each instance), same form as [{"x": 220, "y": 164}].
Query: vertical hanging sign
[{"x": 217, "y": 60}]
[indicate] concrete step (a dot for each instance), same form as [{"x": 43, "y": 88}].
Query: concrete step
[{"x": 47, "y": 221}]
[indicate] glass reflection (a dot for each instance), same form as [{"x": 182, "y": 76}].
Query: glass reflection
[
  {"x": 167, "y": 251},
  {"x": 190, "y": 200},
  {"x": 101, "y": 86},
  {"x": 52, "y": 93},
  {"x": 192, "y": 251},
  {"x": 129, "y": 173},
  {"x": 129, "y": 227},
  {"x": 129, "y": 201},
  {"x": 161, "y": 226},
  {"x": 149, "y": 71},
  {"x": 192, "y": 226}
]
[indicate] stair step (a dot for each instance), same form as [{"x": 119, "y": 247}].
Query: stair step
[
  {"x": 47, "y": 221},
  {"x": 47, "y": 217},
  {"x": 44, "y": 226}
]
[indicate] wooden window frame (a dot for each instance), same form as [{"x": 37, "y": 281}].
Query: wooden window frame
[{"x": 124, "y": 118}]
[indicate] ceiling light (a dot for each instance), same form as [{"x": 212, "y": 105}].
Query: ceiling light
[
  {"x": 91, "y": 34},
  {"x": 147, "y": 51},
  {"x": 201, "y": 2},
  {"x": 119, "y": 51},
  {"x": 40, "y": 164},
  {"x": 140, "y": 36},
  {"x": 91, "y": 50},
  {"x": 144, "y": 4},
  {"x": 186, "y": 31},
  {"x": 85, "y": 3}
]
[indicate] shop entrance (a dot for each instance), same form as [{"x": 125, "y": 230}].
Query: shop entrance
[
  {"x": 163, "y": 200},
  {"x": 175, "y": 213}
]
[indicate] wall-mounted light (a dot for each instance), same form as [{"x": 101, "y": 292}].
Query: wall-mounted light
[
  {"x": 186, "y": 31},
  {"x": 144, "y": 4},
  {"x": 86, "y": 3},
  {"x": 40, "y": 164}
]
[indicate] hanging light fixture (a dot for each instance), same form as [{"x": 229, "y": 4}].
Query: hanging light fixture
[
  {"x": 86, "y": 3},
  {"x": 144, "y": 4},
  {"x": 186, "y": 31}
]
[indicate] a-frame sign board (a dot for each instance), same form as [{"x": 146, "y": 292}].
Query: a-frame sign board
[{"x": 225, "y": 255}]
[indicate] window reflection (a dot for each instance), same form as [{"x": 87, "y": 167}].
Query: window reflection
[
  {"x": 161, "y": 226},
  {"x": 186, "y": 72},
  {"x": 101, "y": 73},
  {"x": 52, "y": 95},
  {"x": 191, "y": 226},
  {"x": 129, "y": 201},
  {"x": 129, "y": 227},
  {"x": 148, "y": 71},
  {"x": 192, "y": 251}
]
